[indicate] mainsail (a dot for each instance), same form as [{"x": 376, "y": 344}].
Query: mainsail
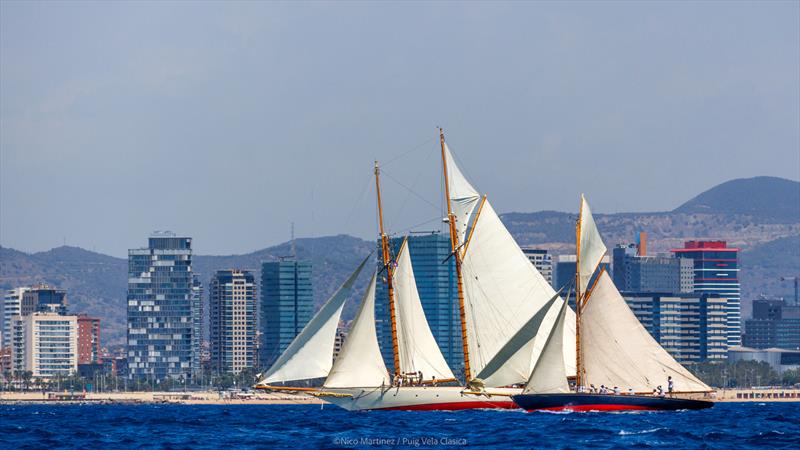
[
  {"x": 360, "y": 363},
  {"x": 590, "y": 249},
  {"x": 618, "y": 350},
  {"x": 417, "y": 346},
  {"x": 310, "y": 354},
  {"x": 549, "y": 374},
  {"x": 502, "y": 291}
]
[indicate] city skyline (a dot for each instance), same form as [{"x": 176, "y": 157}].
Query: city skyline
[{"x": 600, "y": 90}]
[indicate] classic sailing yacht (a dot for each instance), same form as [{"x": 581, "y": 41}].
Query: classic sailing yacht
[
  {"x": 613, "y": 350},
  {"x": 505, "y": 309}
]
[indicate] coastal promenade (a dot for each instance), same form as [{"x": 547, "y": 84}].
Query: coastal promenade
[{"x": 189, "y": 398}]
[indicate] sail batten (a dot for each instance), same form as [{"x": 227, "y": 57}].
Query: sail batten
[
  {"x": 360, "y": 363},
  {"x": 418, "y": 349},
  {"x": 310, "y": 354}
]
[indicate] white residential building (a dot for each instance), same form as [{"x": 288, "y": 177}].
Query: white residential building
[{"x": 45, "y": 344}]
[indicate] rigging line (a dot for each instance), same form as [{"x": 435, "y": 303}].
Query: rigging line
[
  {"x": 410, "y": 190},
  {"x": 358, "y": 201},
  {"x": 409, "y": 151},
  {"x": 400, "y": 232},
  {"x": 408, "y": 194}
]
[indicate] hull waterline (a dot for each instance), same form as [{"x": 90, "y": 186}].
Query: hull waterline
[
  {"x": 420, "y": 398},
  {"x": 598, "y": 402}
]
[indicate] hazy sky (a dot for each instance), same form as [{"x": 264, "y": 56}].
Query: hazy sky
[{"x": 227, "y": 122}]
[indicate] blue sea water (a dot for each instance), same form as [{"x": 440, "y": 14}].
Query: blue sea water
[{"x": 727, "y": 425}]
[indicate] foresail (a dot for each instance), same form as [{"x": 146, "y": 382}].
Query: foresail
[
  {"x": 310, "y": 354},
  {"x": 418, "y": 349},
  {"x": 618, "y": 350},
  {"x": 518, "y": 350},
  {"x": 502, "y": 290},
  {"x": 549, "y": 375},
  {"x": 463, "y": 197},
  {"x": 360, "y": 363},
  {"x": 590, "y": 247}
]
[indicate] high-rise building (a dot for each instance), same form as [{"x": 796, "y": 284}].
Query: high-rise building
[
  {"x": 542, "y": 260},
  {"x": 160, "y": 317},
  {"x": 636, "y": 272},
  {"x": 12, "y": 306},
  {"x": 437, "y": 285},
  {"x": 43, "y": 298},
  {"x": 774, "y": 324},
  {"x": 232, "y": 320},
  {"x": 691, "y": 327},
  {"x": 45, "y": 343},
  {"x": 88, "y": 339},
  {"x": 287, "y": 304},
  {"x": 198, "y": 326},
  {"x": 565, "y": 269},
  {"x": 716, "y": 270}
]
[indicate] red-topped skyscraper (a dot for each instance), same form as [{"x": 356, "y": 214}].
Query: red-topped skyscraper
[{"x": 716, "y": 270}]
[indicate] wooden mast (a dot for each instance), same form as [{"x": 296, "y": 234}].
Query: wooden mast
[
  {"x": 578, "y": 301},
  {"x": 454, "y": 244},
  {"x": 387, "y": 264}
]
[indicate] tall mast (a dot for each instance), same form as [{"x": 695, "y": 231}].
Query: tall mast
[
  {"x": 578, "y": 301},
  {"x": 451, "y": 219},
  {"x": 387, "y": 264}
]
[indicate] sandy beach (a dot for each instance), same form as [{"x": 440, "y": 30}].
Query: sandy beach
[{"x": 189, "y": 398}]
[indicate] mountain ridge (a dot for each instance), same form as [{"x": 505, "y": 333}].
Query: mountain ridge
[{"x": 96, "y": 283}]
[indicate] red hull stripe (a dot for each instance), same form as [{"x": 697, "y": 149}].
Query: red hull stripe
[
  {"x": 455, "y": 406},
  {"x": 601, "y": 407}
]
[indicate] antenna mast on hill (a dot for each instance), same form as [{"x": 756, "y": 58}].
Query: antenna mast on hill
[{"x": 294, "y": 247}]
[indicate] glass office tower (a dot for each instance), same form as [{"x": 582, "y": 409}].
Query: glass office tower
[{"x": 287, "y": 304}]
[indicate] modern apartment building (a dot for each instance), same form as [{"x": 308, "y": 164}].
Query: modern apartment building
[
  {"x": 88, "y": 340},
  {"x": 542, "y": 260},
  {"x": 160, "y": 315},
  {"x": 12, "y": 306},
  {"x": 774, "y": 325},
  {"x": 46, "y": 344},
  {"x": 691, "y": 327},
  {"x": 636, "y": 272},
  {"x": 232, "y": 320},
  {"x": 716, "y": 270}
]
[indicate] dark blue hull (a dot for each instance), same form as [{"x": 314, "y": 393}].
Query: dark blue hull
[{"x": 598, "y": 402}]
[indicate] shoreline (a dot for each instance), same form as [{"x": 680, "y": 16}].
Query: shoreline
[{"x": 771, "y": 395}]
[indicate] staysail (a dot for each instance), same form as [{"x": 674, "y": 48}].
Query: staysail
[
  {"x": 618, "y": 350},
  {"x": 310, "y": 354},
  {"x": 591, "y": 248},
  {"x": 417, "y": 347},
  {"x": 519, "y": 346},
  {"x": 549, "y": 375},
  {"x": 360, "y": 363}
]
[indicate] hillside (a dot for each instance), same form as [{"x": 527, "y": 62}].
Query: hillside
[
  {"x": 765, "y": 197},
  {"x": 770, "y": 244}
]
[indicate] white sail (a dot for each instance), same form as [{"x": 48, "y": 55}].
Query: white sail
[
  {"x": 360, "y": 363},
  {"x": 463, "y": 197},
  {"x": 417, "y": 347},
  {"x": 502, "y": 290},
  {"x": 310, "y": 354},
  {"x": 549, "y": 375},
  {"x": 520, "y": 346},
  {"x": 618, "y": 350},
  {"x": 590, "y": 247}
]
